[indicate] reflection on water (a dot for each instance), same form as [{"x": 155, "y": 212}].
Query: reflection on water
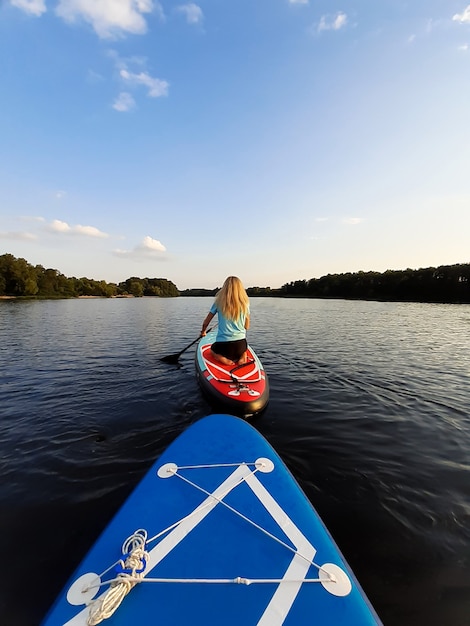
[{"x": 368, "y": 407}]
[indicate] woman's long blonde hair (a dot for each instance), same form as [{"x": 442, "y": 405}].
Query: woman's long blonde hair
[{"x": 232, "y": 300}]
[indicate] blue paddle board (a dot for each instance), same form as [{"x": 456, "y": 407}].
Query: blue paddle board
[{"x": 218, "y": 532}]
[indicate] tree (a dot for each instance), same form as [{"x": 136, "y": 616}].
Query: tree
[
  {"x": 20, "y": 278},
  {"x": 447, "y": 283}
]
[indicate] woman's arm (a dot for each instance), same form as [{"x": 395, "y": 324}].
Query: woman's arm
[
  {"x": 206, "y": 323},
  {"x": 247, "y": 322}
]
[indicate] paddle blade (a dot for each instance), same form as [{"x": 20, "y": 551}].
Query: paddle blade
[{"x": 171, "y": 358}]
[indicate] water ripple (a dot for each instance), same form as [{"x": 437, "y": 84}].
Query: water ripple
[{"x": 368, "y": 408}]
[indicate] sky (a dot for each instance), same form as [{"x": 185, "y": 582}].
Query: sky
[{"x": 274, "y": 140}]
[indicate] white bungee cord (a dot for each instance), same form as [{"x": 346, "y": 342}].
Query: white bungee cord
[{"x": 134, "y": 548}]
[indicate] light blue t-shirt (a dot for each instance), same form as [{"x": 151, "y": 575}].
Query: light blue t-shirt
[{"x": 229, "y": 330}]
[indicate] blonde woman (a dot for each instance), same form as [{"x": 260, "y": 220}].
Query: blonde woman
[{"x": 232, "y": 306}]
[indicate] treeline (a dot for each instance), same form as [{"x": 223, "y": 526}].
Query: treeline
[
  {"x": 20, "y": 278},
  {"x": 251, "y": 291},
  {"x": 446, "y": 283},
  {"x": 160, "y": 287},
  {"x": 198, "y": 292}
]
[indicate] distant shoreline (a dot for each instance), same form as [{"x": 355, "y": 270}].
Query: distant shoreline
[
  {"x": 107, "y": 297},
  {"x": 72, "y": 298}
]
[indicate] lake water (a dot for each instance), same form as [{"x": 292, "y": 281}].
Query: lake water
[{"x": 369, "y": 408}]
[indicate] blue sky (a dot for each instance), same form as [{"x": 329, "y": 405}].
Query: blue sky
[{"x": 276, "y": 140}]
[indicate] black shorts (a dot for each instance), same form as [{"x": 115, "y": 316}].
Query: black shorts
[{"x": 232, "y": 350}]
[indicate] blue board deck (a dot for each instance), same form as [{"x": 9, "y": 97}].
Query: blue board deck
[{"x": 229, "y": 537}]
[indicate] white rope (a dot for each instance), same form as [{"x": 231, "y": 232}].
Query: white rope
[
  {"x": 128, "y": 544},
  {"x": 247, "y": 519},
  {"x": 208, "y": 504},
  {"x": 239, "y": 580},
  {"x": 166, "y": 530},
  {"x": 137, "y": 557},
  {"x": 136, "y": 561},
  {"x": 185, "y": 467}
]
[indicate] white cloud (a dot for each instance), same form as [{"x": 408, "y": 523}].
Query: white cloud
[
  {"x": 58, "y": 226},
  {"x": 22, "y": 236},
  {"x": 32, "y": 218},
  {"x": 147, "y": 248},
  {"x": 89, "y": 231},
  {"x": 192, "y": 12},
  {"x": 298, "y": 1},
  {"x": 158, "y": 11},
  {"x": 332, "y": 22},
  {"x": 124, "y": 102},
  {"x": 140, "y": 77},
  {"x": 156, "y": 86},
  {"x": 464, "y": 47},
  {"x": 353, "y": 220},
  {"x": 34, "y": 7},
  {"x": 152, "y": 245},
  {"x": 108, "y": 18},
  {"x": 463, "y": 18}
]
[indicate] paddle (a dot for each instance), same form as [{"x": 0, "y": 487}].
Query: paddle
[{"x": 173, "y": 358}]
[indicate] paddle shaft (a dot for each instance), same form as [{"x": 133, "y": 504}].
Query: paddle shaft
[{"x": 174, "y": 357}]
